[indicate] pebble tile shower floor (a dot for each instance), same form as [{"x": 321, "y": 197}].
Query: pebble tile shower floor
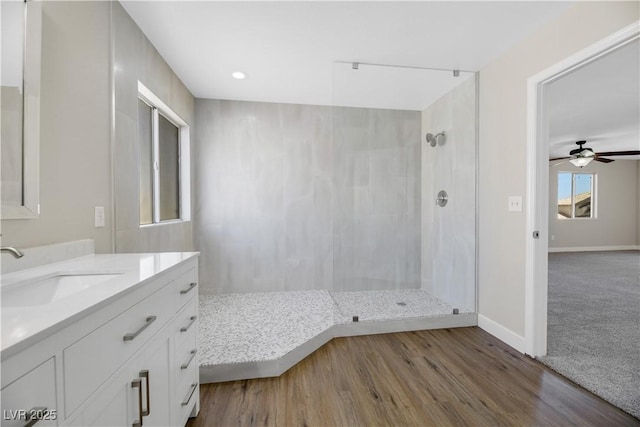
[{"x": 253, "y": 327}]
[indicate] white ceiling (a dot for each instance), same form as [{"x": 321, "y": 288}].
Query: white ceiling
[
  {"x": 290, "y": 50},
  {"x": 398, "y": 88},
  {"x": 599, "y": 103}
]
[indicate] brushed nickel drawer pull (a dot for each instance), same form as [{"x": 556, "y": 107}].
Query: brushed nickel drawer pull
[
  {"x": 191, "y": 286},
  {"x": 193, "y": 388},
  {"x": 130, "y": 336},
  {"x": 145, "y": 374},
  {"x": 32, "y": 415},
  {"x": 137, "y": 384},
  {"x": 192, "y": 321},
  {"x": 188, "y": 362}
]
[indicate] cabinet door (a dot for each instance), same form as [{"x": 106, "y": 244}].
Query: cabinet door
[
  {"x": 154, "y": 371},
  {"x": 33, "y": 394},
  {"x": 113, "y": 405}
]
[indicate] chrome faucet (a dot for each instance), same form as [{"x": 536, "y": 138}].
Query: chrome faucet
[{"x": 13, "y": 251}]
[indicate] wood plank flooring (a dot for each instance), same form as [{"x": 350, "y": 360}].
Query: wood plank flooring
[{"x": 441, "y": 377}]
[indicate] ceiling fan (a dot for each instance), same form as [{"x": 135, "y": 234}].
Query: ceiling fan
[{"x": 582, "y": 156}]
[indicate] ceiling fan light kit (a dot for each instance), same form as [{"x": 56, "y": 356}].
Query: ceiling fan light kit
[
  {"x": 581, "y": 161},
  {"x": 582, "y": 156}
]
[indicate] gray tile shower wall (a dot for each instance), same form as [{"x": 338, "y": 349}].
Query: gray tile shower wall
[
  {"x": 377, "y": 209},
  {"x": 299, "y": 197},
  {"x": 449, "y": 253}
]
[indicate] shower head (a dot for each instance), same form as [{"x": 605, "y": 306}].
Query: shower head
[{"x": 433, "y": 139}]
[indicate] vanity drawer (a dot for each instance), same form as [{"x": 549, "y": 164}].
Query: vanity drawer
[
  {"x": 186, "y": 326},
  {"x": 186, "y": 357},
  {"x": 34, "y": 393},
  {"x": 185, "y": 341},
  {"x": 187, "y": 396},
  {"x": 186, "y": 366},
  {"x": 92, "y": 359},
  {"x": 185, "y": 288}
]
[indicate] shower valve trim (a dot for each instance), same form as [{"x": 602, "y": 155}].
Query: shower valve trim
[{"x": 433, "y": 139}]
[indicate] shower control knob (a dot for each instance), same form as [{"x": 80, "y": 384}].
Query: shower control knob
[{"x": 442, "y": 199}]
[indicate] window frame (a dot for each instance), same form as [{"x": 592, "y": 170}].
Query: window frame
[
  {"x": 159, "y": 108},
  {"x": 594, "y": 197}
]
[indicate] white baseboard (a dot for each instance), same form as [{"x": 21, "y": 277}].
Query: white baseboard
[
  {"x": 597, "y": 248},
  {"x": 503, "y": 334}
]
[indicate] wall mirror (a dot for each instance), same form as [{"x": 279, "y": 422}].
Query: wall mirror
[{"x": 20, "y": 104}]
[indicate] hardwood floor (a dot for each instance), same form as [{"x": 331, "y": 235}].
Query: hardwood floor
[{"x": 441, "y": 377}]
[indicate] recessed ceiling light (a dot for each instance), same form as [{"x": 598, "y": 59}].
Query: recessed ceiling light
[{"x": 239, "y": 75}]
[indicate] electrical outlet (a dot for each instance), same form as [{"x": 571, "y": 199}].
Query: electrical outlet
[
  {"x": 99, "y": 217},
  {"x": 515, "y": 203}
]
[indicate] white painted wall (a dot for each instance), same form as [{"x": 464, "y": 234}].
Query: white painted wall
[
  {"x": 449, "y": 233},
  {"x": 75, "y": 113},
  {"x": 502, "y": 145},
  {"x": 616, "y": 202}
]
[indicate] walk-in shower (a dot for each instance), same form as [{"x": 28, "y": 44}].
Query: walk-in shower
[
  {"x": 321, "y": 220},
  {"x": 390, "y": 233}
]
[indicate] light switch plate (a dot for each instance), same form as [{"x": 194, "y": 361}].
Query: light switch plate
[
  {"x": 99, "y": 217},
  {"x": 515, "y": 203}
]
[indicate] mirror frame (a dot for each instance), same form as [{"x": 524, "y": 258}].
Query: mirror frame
[{"x": 30, "y": 207}]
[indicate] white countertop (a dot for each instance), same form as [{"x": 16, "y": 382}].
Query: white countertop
[{"x": 23, "y": 326}]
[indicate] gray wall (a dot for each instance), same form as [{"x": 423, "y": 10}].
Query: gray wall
[
  {"x": 75, "y": 154},
  {"x": 135, "y": 59},
  {"x": 449, "y": 249},
  {"x": 616, "y": 199},
  {"x": 376, "y": 186},
  {"x": 75, "y": 146},
  {"x": 290, "y": 196},
  {"x": 502, "y": 144}
]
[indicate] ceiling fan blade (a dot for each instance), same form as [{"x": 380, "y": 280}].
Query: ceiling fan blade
[
  {"x": 557, "y": 164},
  {"x": 603, "y": 160},
  {"x": 559, "y": 158},
  {"x": 619, "y": 153}
]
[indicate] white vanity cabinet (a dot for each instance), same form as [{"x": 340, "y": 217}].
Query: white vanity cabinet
[{"x": 132, "y": 362}]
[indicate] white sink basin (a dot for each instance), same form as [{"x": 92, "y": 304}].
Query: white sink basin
[{"x": 51, "y": 288}]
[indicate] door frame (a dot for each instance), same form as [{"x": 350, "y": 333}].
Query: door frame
[{"x": 537, "y": 214}]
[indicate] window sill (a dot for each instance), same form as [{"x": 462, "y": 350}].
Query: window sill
[
  {"x": 577, "y": 219},
  {"x": 160, "y": 224}
]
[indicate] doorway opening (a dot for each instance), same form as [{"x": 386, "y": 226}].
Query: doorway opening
[
  {"x": 536, "y": 281},
  {"x": 568, "y": 200}
]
